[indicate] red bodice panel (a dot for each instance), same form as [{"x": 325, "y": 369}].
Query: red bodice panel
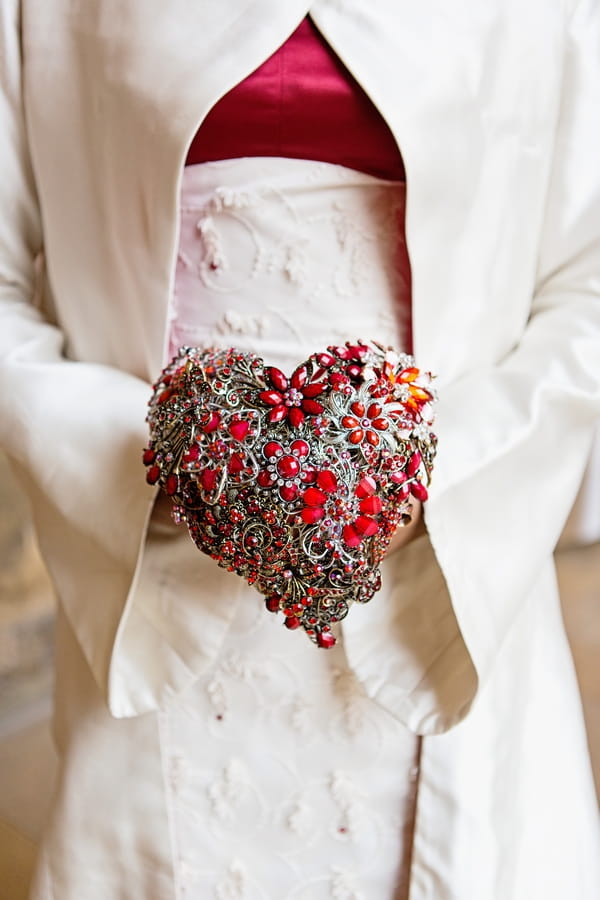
[{"x": 304, "y": 104}]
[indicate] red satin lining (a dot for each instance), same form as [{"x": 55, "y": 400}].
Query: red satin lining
[{"x": 304, "y": 104}]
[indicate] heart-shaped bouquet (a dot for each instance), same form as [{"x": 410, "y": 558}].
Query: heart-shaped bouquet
[{"x": 297, "y": 483}]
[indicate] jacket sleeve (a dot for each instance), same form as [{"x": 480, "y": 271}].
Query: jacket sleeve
[
  {"x": 59, "y": 417},
  {"x": 514, "y": 439}
]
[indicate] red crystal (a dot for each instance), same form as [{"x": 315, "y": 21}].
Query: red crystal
[
  {"x": 398, "y": 477},
  {"x": 413, "y": 464},
  {"x": 236, "y": 464},
  {"x": 299, "y": 377},
  {"x": 296, "y": 416},
  {"x": 278, "y": 413},
  {"x": 327, "y": 481},
  {"x": 371, "y": 506},
  {"x": 351, "y": 537},
  {"x": 192, "y": 454},
  {"x": 288, "y": 467},
  {"x": 271, "y": 398},
  {"x": 312, "y": 514},
  {"x": 265, "y": 479},
  {"x": 374, "y": 411},
  {"x": 271, "y": 448},
  {"x": 153, "y": 474},
  {"x": 365, "y": 487},
  {"x": 288, "y": 492},
  {"x": 312, "y": 407},
  {"x": 372, "y": 438},
  {"x": 366, "y": 526},
  {"x": 314, "y": 389},
  {"x": 208, "y": 479},
  {"x": 419, "y": 491},
  {"x": 148, "y": 457},
  {"x": 292, "y": 622},
  {"x": 358, "y": 409},
  {"x": 350, "y": 421},
  {"x": 314, "y": 497},
  {"x": 325, "y": 639},
  {"x": 213, "y": 423},
  {"x": 239, "y": 430},
  {"x": 355, "y": 437},
  {"x": 326, "y": 360},
  {"x": 171, "y": 484},
  {"x": 272, "y": 603},
  {"x": 300, "y": 448},
  {"x": 277, "y": 378},
  {"x": 380, "y": 424}
]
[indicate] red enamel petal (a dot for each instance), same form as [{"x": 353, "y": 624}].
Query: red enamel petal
[
  {"x": 372, "y": 506},
  {"x": 272, "y": 398},
  {"x": 312, "y": 407},
  {"x": 350, "y": 422},
  {"x": 277, "y": 378},
  {"x": 351, "y": 536},
  {"x": 314, "y": 389},
  {"x": 299, "y": 377},
  {"x": 366, "y": 526},
  {"x": 327, "y": 481},
  {"x": 314, "y": 497},
  {"x": 372, "y": 438},
  {"x": 296, "y": 416},
  {"x": 312, "y": 514},
  {"x": 380, "y": 424},
  {"x": 358, "y": 409},
  {"x": 365, "y": 487},
  {"x": 239, "y": 430},
  {"x": 374, "y": 411}
]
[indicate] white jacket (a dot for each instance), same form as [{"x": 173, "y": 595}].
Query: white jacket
[{"x": 495, "y": 106}]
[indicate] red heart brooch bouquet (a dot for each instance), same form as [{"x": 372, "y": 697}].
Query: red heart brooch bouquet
[{"x": 297, "y": 483}]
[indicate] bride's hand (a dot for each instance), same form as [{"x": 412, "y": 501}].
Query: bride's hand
[{"x": 406, "y": 533}]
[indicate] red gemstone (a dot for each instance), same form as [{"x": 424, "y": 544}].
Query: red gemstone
[
  {"x": 372, "y": 506},
  {"x": 272, "y": 603},
  {"x": 192, "y": 454},
  {"x": 153, "y": 474},
  {"x": 236, "y": 464},
  {"x": 165, "y": 395},
  {"x": 296, "y": 416},
  {"x": 314, "y": 497},
  {"x": 350, "y": 422},
  {"x": 272, "y": 398},
  {"x": 271, "y": 448},
  {"x": 419, "y": 491},
  {"x": 208, "y": 479},
  {"x": 314, "y": 389},
  {"x": 372, "y": 438},
  {"x": 413, "y": 464},
  {"x": 239, "y": 430},
  {"x": 288, "y": 492},
  {"x": 351, "y": 536},
  {"x": 366, "y": 526},
  {"x": 288, "y": 467},
  {"x": 299, "y": 377},
  {"x": 354, "y": 371},
  {"x": 326, "y": 360},
  {"x": 171, "y": 484},
  {"x": 278, "y": 413},
  {"x": 277, "y": 378},
  {"x": 358, "y": 409},
  {"x": 300, "y": 448},
  {"x": 355, "y": 437},
  {"x": 148, "y": 457},
  {"x": 380, "y": 424},
  {"x": 365, "y": 487},
  {"x": 327, "y": 481},
  {"x": 308, "y": 475},
  {"x": 292, "y": 622},
  {"x": 213, "y": 423},
  {"x": 265, "y": 479},
  {"x": 312, "y": 514},
  {"x": 398, "y": 477},
  {"x": 325, "y": 639},
  {"x": 374, "y": 411},
  {"x": 312, "y": 407}
]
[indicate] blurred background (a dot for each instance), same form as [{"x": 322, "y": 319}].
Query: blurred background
[{"x": 27, "y": 758}]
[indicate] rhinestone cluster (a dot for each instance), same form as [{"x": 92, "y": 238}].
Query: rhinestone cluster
[{"x": 295, "y": 483}]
